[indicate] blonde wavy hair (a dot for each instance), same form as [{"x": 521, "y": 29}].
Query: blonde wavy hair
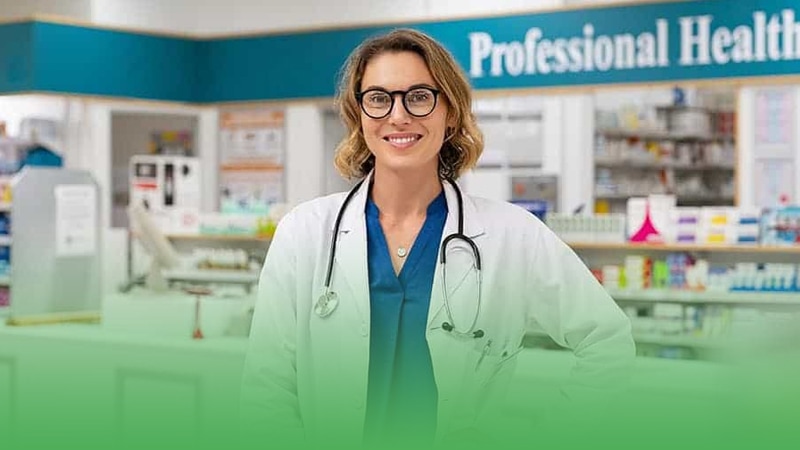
[{"x": 463, "y": 143}]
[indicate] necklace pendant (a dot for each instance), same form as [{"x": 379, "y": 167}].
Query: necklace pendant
[{"x": 401, "y": 252}]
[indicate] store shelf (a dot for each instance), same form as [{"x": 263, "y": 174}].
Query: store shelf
[
  {"x": 5, "y": 206},
  {"x": 660, "y": 135},
  {"x": 663, "y": 339},
  {"x": 676, "y": 296},
  {"x": 680, "y": 197},
  {"x": 623, "y": 196},
  {"x": 212, "y": 276},
  {"x": 680, "y": 341},
  {"x": 659, "y": 165},
  {"x": 218, "y": 237},
  {"x": 520, "y": 115},
  {"x": 629, "y": 246},
  {"x": 5, "y": 280},
  {"x": 5, "y": 240},
  {"x": 693, "y": 108},
  {"x": 699, "y": 198}
]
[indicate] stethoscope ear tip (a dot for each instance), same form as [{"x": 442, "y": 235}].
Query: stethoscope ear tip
[{"x": 477, "y": 334}]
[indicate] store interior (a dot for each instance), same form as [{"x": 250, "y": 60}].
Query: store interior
[{"x": 682, "y": 198}]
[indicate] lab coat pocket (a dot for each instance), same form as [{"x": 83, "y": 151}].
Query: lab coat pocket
[
  {"x": 486, "y": 359},
  {"x": 490, "y": 360}
]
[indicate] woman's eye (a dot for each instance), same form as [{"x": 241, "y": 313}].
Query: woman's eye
[
  {"x": 418, "y": 97},
  {"x": 378, "y": 99}
]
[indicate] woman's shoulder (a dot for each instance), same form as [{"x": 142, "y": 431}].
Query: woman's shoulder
[
  {"x": 506, "y": 219},
  {"x": 317, "y": 210},
  {"x": 319, "y": 206}
]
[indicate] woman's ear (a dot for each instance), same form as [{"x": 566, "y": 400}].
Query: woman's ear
[
  {"x": 450, "y": 127},
  {"x": 449, "y": 132},
  {"x": 451, "y": 121}
]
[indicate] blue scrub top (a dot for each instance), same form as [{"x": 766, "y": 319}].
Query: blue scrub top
[{"x": 402, "y": 395}]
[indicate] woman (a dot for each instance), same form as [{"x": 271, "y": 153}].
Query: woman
[{"x": 361, "y": 330}]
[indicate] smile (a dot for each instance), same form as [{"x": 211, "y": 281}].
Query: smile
[{"x": 402, "y": 140}]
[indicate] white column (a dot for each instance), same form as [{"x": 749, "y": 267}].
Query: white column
[
  {"x": 208, "y": 152},
  {"x": 745, "y": 142},
  {"x": 304, "y": 153},
  {"x": 577, "y": 162},
  {"x": 552, "y": 130}
]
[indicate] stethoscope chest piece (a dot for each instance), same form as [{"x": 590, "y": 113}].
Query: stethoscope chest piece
[{"x": 326, "y": 304}]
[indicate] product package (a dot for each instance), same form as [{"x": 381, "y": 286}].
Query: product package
[{"x": 780, "y": 226}]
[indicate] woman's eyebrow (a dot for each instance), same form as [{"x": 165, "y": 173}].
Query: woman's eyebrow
[
  {"x": 372, "y": 87},
  {"x": 413, "y": 86},
  {"x": 421, "y": 85}
]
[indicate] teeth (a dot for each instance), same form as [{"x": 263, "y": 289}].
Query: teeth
[{"x": 402, "y": 140}]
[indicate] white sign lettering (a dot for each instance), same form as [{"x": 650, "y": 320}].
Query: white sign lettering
[{"x": 774, "y": 37}]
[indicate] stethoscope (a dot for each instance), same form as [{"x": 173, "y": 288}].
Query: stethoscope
[{"x": 329, "y": 300}]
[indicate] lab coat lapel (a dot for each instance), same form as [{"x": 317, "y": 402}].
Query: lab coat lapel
[
  {"x": 351, "y": 252},
  {"x": 473, "y": 228}
]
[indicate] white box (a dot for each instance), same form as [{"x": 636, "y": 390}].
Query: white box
[
  {"x": 170, "y": 187},
  {"x": 659, "y": 207}
]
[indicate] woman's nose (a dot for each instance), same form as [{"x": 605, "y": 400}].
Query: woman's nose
[{"x": 398, "y": 114}]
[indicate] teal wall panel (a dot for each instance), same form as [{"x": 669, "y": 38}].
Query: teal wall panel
[
  {"x": 669, "y": 42},
  {"x": 277, "y": 66},
  {"x": 103, "y": 62},
  {"x": 305, "y": 64},
  {"x": 16, "y": 50}
]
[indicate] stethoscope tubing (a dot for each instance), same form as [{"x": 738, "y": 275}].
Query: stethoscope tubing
[
  {"x": 334, "y": 239},
  {"x": 459, "y": 235}
]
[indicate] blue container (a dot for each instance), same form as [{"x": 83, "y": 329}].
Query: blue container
[
  {"x": 536, "y": 207},
  {"x": 5, "y": 224}
]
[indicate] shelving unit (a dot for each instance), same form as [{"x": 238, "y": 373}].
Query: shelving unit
[
  {"x": 688, "y": 152},
  {"x": 512, "y": 129},
  {"x": 662, "y": 135},
  {"x": 694, "y": 342},
  {"x": 633, "y": 164},
  {"x": 706, "y": 297},
  {"x": 5, "y": 243},
  {"x": 10, "y": 164},
  {"x": 218, "y": 237},
  {"x": 741, "y": 249},
  {"x": 671, "y": 316},
  {"x": 213, "y": 276},
  {"x": 255, "y": 246}
]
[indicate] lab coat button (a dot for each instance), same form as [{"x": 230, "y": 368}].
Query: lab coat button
[{"x": 364, "y": 331}]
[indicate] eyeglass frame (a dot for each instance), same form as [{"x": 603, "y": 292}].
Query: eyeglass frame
[{"x": 392, "y": 94}]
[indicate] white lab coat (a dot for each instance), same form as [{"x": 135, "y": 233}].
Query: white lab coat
[{"x": 308, "y": 374}]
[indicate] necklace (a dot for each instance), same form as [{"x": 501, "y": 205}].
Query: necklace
[{"x": 401, "y": 252}]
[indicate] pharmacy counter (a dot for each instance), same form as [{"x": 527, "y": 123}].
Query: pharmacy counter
[
  {"x": 86, "y": 380},
  {"x": 75, "y": 382}
]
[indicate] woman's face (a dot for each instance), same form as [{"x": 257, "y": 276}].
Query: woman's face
[{"x": 400, "y": 141}]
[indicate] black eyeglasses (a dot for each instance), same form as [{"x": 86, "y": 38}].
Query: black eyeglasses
[{"x": 378, "y": 103}]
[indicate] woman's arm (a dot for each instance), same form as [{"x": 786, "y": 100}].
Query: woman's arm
[
  {"x": 577, "y": 312},
  {"x": 269, "y": 401}
]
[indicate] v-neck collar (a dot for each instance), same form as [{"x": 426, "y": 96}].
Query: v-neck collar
[{"x": 436, "y": 209}]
